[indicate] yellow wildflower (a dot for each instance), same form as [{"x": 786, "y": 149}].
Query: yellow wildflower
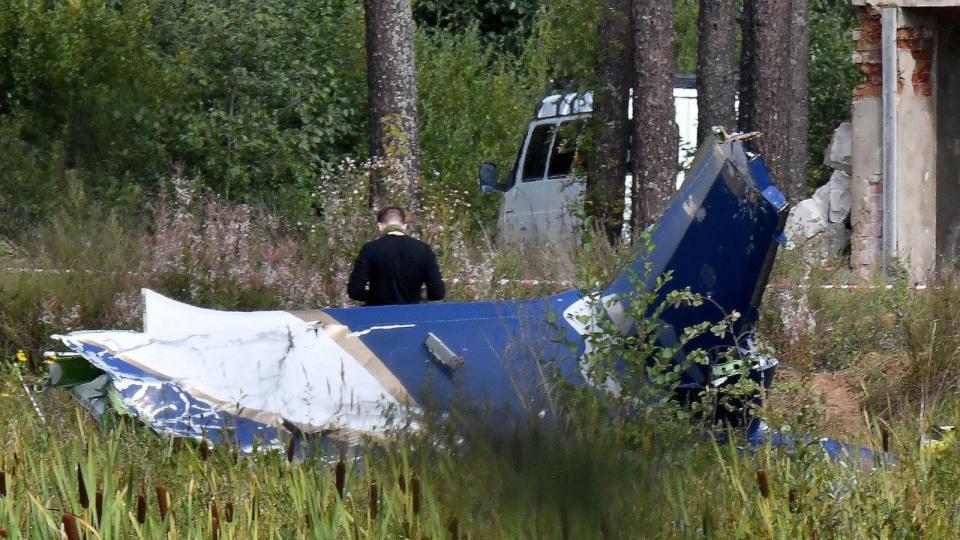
[{"x": 22, "y": 356}]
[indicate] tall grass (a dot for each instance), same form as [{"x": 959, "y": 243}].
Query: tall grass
[
  {"x": 555, "y": 479},
  {"x": 84, "y": 267},
  {"x": 558, "y": 478}
]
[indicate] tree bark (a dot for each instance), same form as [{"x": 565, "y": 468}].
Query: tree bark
[
  {"x": 748, "y": 73},
  {"x": 654, "y": 117},
  {"x": 607, "y": 165},
  {"x": 765, "y": 97},
  {"x": 394, "y": 136},
  {"x": 799, "y": 88},
  {"x": 716, "y": 67}
]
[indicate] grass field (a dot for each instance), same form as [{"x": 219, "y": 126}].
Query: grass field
[
  {"x": 569, "y": 481},
  {"x": 889, "y": 354}
]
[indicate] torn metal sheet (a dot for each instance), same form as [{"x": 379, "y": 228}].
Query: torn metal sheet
[{"x": 247, "y": 377}]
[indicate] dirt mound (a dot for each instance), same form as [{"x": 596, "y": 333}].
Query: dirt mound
[
  {"x": 842, "y": 398},
  {"x": 841, "y": 394}
]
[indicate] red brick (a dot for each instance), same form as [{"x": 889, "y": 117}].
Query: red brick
[
  {"x": 909, "y": 43},
  {"x": 921, "y": 55},
  {"x": 870, "y": 69},
  {"x": 915, "y": 44},
  {"x": 870, "y": 14},
  {"x": 910, "y": 32},
  {"x": 866, "y": 45}
]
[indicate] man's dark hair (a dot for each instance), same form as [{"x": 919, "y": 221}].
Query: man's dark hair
[{"x": 391, "y": 213}]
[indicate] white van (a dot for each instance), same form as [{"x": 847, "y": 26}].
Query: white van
[{"x": 541, "y": 194}]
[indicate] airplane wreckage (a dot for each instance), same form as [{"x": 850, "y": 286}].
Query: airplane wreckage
[{"x": 254, "y": 378}]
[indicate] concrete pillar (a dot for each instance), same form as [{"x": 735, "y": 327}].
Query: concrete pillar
[
  {"x": 866, "y": 188},
  {"x": 913, "y": 135}
]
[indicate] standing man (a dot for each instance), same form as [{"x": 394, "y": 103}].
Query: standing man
[{"x": 394, "y": 266}]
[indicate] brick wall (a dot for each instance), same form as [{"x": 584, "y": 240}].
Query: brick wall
[
  {"x": 866, "y": 188},
  {"x": 867, "y": 53},
  {"x": 919, "y": 41}
]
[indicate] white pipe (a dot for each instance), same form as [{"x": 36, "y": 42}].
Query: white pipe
[{"x": 890, "y": 74}]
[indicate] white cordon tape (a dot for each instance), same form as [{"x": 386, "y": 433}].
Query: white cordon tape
[
  {"x": 504, "y": 282},
  {"x": 64, "y": 271},
  {"x": 501, "y": 282},
  {"x": 453, "y": 281},
  {"x": 852, "y": 287},
  {"x": 855, "y": 287}
]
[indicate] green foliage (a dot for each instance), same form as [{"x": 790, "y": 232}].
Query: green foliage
[
  {"x": 260, "y": 98},
  {"x": 929, "y": 331},
  {"x": 563, "y": 45},
  {"x": 686, "y": 35},
  {"x": 81, "y": 79},
  {"x": 474, "y": 107},
  {"x": 824, "y": 328},
  {"x": 85, "y": 238},
  {"x": 505, "y": 25},
  {"x": 847, "y": 335},
  {"x": 832, "y": 77},
  {"x": 29, "y": 178},
  {"x": 556, "y": 477},
  {"x": 636, "y": 373},
  {"x": 899, "y": 344},
  {"x": 272, "y": 91},
  {"x": 256, "y": 97}
]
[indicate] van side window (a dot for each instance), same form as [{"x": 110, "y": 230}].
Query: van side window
[
  {"x": 564, "y": 149},
  {"x": 535, "y": 163}
]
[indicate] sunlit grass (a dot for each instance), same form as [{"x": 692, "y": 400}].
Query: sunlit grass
[{"x": 566, "y": 480}]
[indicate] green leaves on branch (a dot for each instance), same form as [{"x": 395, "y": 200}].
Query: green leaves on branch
[{"x": 638, "y": 359}]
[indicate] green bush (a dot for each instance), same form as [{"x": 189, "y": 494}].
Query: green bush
[
  {"x": 29, "y": 179},
  {"x": 87, "y": 262},
  {"x": 270, "y": 92},
  {"x": 503, "y": 24},
  {"x": 85, "y": 77},
  {"x": 832, "y": 78},
  {"x": 474, "y": 107},
  {"x": 256, "y": 97}
]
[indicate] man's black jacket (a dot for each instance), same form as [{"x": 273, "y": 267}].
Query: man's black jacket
[{"x": 395, "y": 266}]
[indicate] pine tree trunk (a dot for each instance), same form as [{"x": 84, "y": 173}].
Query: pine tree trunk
[
  {"x": 654, "y": 118},
  {"x": 716, "y": 67},
  {"x": 765, "y": 97},
  {"x": 748, "y": 74},
  {"x": 799, "y": 89},
  {"x": 394, "y": 136},
  {"x": 609, "y": 127}
]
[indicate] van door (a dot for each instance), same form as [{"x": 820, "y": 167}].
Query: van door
[{"x": 541, "y": 205}]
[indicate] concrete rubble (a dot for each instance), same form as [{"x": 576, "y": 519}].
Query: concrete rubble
[
  {"x": 820, "y": 224},
  {"x": 838, "y": 154}
]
